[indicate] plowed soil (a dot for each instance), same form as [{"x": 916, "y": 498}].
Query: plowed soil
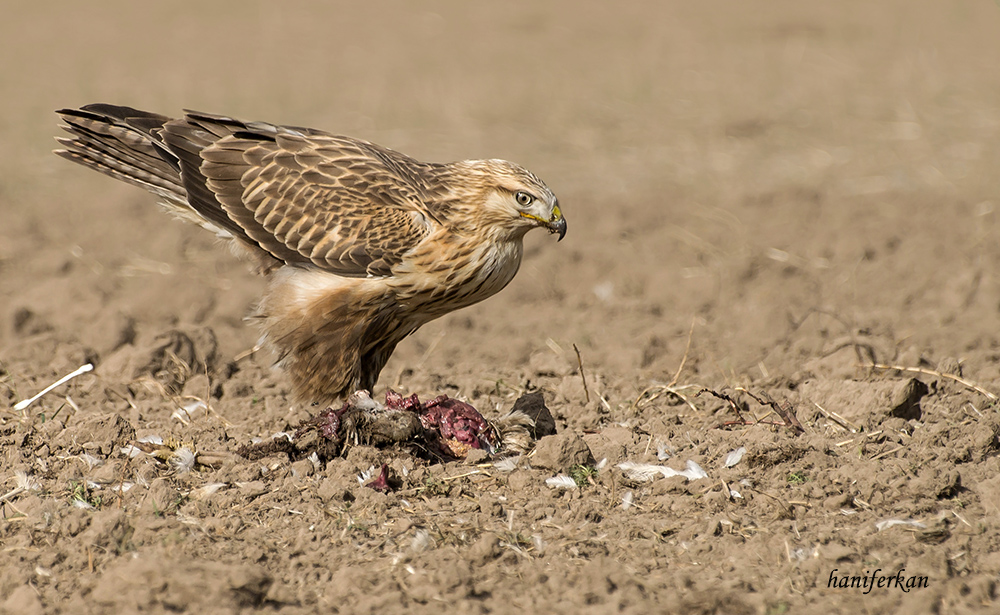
[{"x": 789, "y": 201}]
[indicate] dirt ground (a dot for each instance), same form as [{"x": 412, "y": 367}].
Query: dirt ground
[{"x": 772, "y": 196}]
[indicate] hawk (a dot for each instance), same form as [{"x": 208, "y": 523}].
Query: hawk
[{"x": 361, "y": 245}]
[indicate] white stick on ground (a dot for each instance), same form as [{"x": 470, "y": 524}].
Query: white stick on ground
[{"x": 21, "y": 405}]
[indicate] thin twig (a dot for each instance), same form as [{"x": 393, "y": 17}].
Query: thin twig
[
  {"x": 579, "y": 362},
  {"x": 931, "y": 372}
]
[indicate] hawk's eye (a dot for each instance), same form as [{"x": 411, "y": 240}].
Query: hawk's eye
[{"x": 523, "y": 199}]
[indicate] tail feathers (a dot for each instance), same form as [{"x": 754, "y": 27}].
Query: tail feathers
[{"x": 127, "y": 144}]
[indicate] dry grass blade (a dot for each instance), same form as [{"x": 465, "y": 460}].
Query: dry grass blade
[
  {"x": 687, "y": 349},
  {"x": 656, "y": 391},
  {"x": 653, "y": 392},
  {"x": 937, "y": 374},
  {"x": 247, "y": 353},
  {"x": 836, "y": 418}
]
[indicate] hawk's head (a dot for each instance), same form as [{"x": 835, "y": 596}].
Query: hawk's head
[{"x": 512, "y": 198}]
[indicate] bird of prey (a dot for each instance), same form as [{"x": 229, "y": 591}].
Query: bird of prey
[{"x": 361, "y": 244}]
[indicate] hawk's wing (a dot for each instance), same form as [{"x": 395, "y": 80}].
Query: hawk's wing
[{"x": 344, "y": 205}]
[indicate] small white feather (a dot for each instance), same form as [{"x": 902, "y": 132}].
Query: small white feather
[
  {"x": 887, "y": 523},
  {"x": 182, "y": 461},
  {"x": 366, "y": 476},
  {"x": 25, "y": 482},
  {"x": 91, "y": 461},
  {"x": 507, "y": 464},
  {"x": 206, "y": 490},
  {"x": 422, "y": 541},
  {"x": 734, "y": 457},
  {"x": 627, "y": 500},
  {"x": 645, "y": 472},
  {"x": 663, "y": 450},
  {"x": 561, "y": 481},
  {"x": 693, "y": 471}
]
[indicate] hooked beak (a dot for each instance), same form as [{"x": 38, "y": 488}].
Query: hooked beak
[{"x": 556, "y": 224}]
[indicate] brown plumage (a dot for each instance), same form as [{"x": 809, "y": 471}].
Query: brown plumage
[{"x": 361, "y": 244}]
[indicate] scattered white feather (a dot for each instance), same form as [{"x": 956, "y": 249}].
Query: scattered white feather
[
  {"x": 538, "y": 543},
  {"x": 314, "y": 460},
  {"x": 663, "y": 450},
  {"x": 887, "y": 523},
  {"x": 182, "y": 461},
  {"x": 422, "y": 541},
  {"x": 91, "y": 461},
  {"x": 735, "y": 494},
  {"x": 601, "y": 464},
  {"x": 561, "y": 481},
  {"x": 694, "y": 471},
  {"x": 26, "y": 482},
  {"x": 93, "y": 486},
  {"x": 131, "y": 451},
  {"x": 122, "y": 487},
  {"x": 82, "y": 504},
  {"x": 507, "y": 464},
  {"x": 206, "y": 490},
  {"x": 800, "y": 554},
  {"x": 644, "y": 472},
  {"x": 367, "y": 475},
  {"x": 190, "y": 411},
  {"x": 734, "y": 457},
  {"x": 627, "y": 500}
]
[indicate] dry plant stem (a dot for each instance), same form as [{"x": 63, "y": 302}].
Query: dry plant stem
[
  {"x": 671, "y": 387},
  {"x": 579, "y": 362},
  {"x": 931, "y": 372},
  {"x": 785, "y": 412},
  {"x": 684, "y": 359},
  {"x": 887, "y": 453}
]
